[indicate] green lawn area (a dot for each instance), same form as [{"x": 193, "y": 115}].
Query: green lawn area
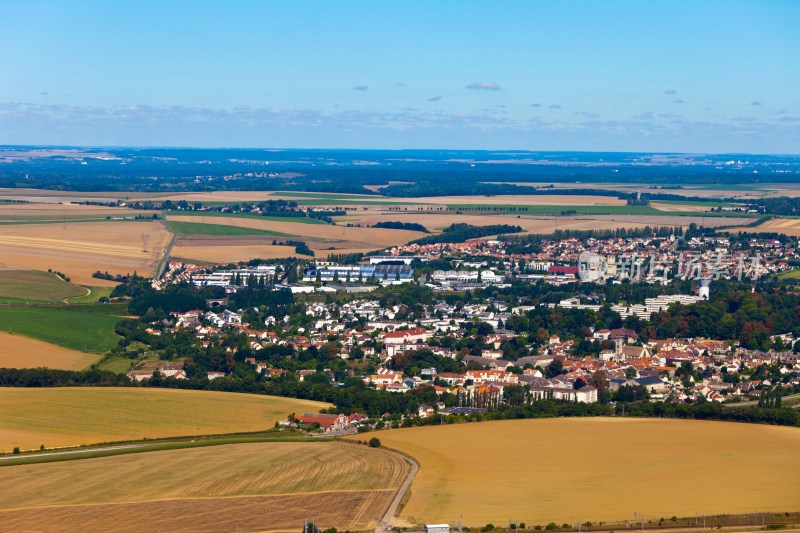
[
  {"x": 193, "y": 228},
  {"x": 19, "y": 286},
  {"x": 116, "y": 363},
  {"x": 302, "y": 220},
  {"x": 790, "y": 274},
  {"x": 78, "y": 327}
]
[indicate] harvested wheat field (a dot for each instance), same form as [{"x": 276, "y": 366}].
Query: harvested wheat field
[
  {"x": 22, "y": 352},
  {"x": 317, "y": 236},
  {"x": 271, "y": 486},
  {"x": 787, "y": 226},
  {"x": 229, "y": 249},
  {"x": 538, "y": 471},
  {"x": 73, "y": 416},
  {"x": 80, "y": 249},
  {"x": 28, "y": 213},
  {"x": 681, "y": 208}
]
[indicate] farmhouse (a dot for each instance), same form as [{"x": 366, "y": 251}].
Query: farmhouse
[{"x": 326, "y": 422}]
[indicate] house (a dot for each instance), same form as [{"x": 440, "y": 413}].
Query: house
[
  {"x": 215, "y": 375},
  {"x": 139, "y": 375},
  {"x": 172, "y": 371},
  {"x": 409, "y": 336},
  {"x": 327, "y": 423}
]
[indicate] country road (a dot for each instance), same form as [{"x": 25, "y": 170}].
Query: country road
[
  {"x": 755, "y": 402},
  {"x": 386, "y": 521},
  {"x": 78, "y": 451}
]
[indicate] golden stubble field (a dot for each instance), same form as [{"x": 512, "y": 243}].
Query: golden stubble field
[
  {"x": 17, "y": 351},
  {"x": 787, "y": 226},
  {"x": 81, "y": 248},
  {"x": 73, "y": 416},
  {"x": 538, "y": 471},
  {"x": 319, "y": 237},
  {"x": 270, "y": 486}
]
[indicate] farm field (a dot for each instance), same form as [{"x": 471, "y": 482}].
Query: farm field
[
  {"x": 87, "y": 328},
  {"x": 80, "y": 249},
  {"x": 201, "y": 214},
  {"x": 194, "y": 228},
  {"x": 17, "y": 351},
  {"x": 743, "y": 191},
  {"x": 270, "y": 486},
  {"x": 538, "y": 471},
  {"x": 54, "y": 213},
  {"x": 73, "y": 416},
  {"x": 228, "y": 249},
  {"x": 34, "y": 285},
  {"x": 787, "y": 226},
  {"x": 319, "y": 237},
  {"x": 536, "y": 224}
]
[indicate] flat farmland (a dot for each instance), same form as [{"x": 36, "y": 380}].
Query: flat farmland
[
  {"x": 85, "y": 328},
  {"x": 17, "y": 351},
  {"x": 228, "y": 249},
  {"x": 80, "y": 249},
  {"x": 73, "y": 416},
  {"x": 538, "y": 471},
  {"x": 47, "y": 212},
  {"x": 537, "y": 224},
  {"x": 787, "y": 226},
  {"x": 270, "y": 486},
  {"x": 319, "y": 237}
]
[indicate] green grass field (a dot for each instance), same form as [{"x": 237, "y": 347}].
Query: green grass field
[
  {"x": 19, "y": 286},
  {"x": 94, "y": 295},
  {"x": 192, "y": 228},
  {"x": 67, "y": 416},
  {"x": 790, "y": 274},
  {"x": 302, "y": 220},
  {"x": 78, "y": 327}
]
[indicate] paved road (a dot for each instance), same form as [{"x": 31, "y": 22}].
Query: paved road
[
  {"x": 755, "y": 402},
  {"x": 389, "y": 516}
]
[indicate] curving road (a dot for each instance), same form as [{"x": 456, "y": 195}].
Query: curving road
[{"x": 389, "y": 515}]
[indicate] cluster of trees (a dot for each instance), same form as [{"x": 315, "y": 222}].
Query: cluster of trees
[
  {"x": 300, "y": 247},
  {"x": 119, "y": 278},
  {"x": 463, "y": 232},
  {"x": 413, "y": 226},
  {"x": 59, "y": 274}
]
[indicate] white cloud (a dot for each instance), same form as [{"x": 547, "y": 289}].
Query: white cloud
[{"x": 483, "y": 86}]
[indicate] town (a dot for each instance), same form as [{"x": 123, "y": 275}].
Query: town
[{"x": 462, "y": 340}]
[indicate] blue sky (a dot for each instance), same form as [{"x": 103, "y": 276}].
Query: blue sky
[{"x": 692, "y": 76}]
